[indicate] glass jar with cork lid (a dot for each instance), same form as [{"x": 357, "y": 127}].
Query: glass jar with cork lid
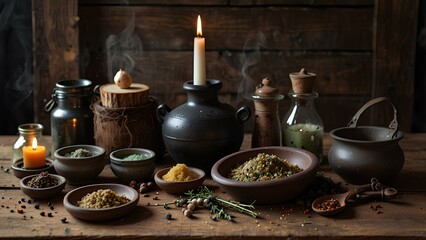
[{"x": 302, "y": 126}]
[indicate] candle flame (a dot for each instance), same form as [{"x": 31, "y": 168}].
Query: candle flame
[
  {"x": 199, "y": 29},
  {"x": 34, "y": 143}
]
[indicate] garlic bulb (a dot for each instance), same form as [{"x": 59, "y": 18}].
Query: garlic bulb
[{"x": 122, "y": 79}]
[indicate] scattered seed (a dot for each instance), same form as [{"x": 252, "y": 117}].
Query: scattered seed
[
  {"x": 64, "y": 220},
  {"x": 50, "y": 214},
  {"x": 168, "y": 216},
  {"x": 52, "y": 207},
  {"x": 42, "y": 214},
  {"x": 11, "y": 210},
  {"x": 37, "y": 206},
  {"x": 29, "y": 201},
  {"x": 23, "y": 206},
  {"x": 20, "y": 211}
]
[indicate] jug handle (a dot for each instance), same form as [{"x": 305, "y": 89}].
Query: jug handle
[
  {"x": 162, "y": 111},
  {"x": 243, "y": 114},
  {"x": 393, "y": 125}
]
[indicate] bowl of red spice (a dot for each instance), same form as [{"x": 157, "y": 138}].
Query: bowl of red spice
[
  {"x": 265, "y": 175},
  {"x": 43, "y": 185}
]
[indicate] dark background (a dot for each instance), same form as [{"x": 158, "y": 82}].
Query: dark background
[{"x": 16, "y": 73}]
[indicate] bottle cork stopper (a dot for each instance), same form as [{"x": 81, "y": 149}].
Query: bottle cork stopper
[
  {"x": 302, "y": 82},
  {"x": 265, "y": 89}
]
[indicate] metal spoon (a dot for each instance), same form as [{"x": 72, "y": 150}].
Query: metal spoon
[{"x": 340, "y": 198}]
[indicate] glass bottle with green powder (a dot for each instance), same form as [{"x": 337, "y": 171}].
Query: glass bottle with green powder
[{"x": 302, "y": 125}]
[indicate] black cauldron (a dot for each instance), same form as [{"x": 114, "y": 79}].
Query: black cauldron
[
  {"x": 359, "y": 153},
  {"x": 203, "y": 130}
]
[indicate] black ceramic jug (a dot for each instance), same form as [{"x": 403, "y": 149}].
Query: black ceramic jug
[{"x": 203, "y": 130}]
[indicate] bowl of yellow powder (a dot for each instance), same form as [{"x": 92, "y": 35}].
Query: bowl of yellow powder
[{"x": 179, "y": 178}]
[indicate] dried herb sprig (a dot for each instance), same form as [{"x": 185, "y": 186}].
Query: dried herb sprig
[{"x": 216, "y": 204}]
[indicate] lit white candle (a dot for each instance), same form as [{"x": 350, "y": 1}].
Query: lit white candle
[{"x": 199, "y": 56}]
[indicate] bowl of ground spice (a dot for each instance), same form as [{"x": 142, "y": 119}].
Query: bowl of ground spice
[
  {"x": 132, "y": 164},
  {"x": 43, "y": 185},
  {"x": 265, "y": 175},
  {"x": 179, "y": 178},
  {"x": 79, "y": 164},
  {"x": 101, "y": 202}
]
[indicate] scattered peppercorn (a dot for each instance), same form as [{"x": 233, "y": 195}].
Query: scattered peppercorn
[
  {"x": 168, "y": 216},
  {"x": 42, "y": 214},
  {"x": 37, "y": 206},
  {"x": 155, "y": 198},
  {"x": 50, "y": 214},
  {"x": 20, "y": 211},
  {"x": 29, "y": 201},
  {"x": 64, "y": 220},
  {"x": 22, "y": 199},
  {"x": 11, "y": 210},
  {"x": 23, "y": 206}
]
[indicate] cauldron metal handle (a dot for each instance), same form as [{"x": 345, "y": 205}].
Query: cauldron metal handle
[{"x": 393, "y": 125}]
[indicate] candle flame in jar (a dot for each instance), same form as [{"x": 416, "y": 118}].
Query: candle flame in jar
[
  {"x": 34, "y": 143},
  {"x": 199, "y": 29}
]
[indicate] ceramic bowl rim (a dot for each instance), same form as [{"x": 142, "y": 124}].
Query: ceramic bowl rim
[
  {"x": 314, "y": 164},
  {"x": 100, "y": 152},
  {"x": 158, "y": 176},
  {"x": 120, "y": 161},
  {"x": 71, "y": 206},
  {"x": 24, "y": 180}
]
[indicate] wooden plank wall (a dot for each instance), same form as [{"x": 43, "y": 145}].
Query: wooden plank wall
[{"x": 351, "y": 45}]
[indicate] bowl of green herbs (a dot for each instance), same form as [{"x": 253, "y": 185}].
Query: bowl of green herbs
[
  {"x": 132, "y": 164},
  {"x": 265, "y": 175}
]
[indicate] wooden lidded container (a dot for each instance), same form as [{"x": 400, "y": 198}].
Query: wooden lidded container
[{"x": 126, "y": 117}]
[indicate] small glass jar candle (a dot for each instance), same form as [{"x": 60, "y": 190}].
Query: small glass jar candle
[{"x": 27, "y": 132}]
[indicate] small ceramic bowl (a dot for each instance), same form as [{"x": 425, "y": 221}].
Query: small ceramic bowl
[
  {"x": 20, "y": 172},
  {"x": 128, "y": 170},
  {"x": 177, "y": 188},
  {"x": 268, "y": 191},
  {"x": 48, "y": 192},
  {"x": 90, "y": 214},
  {"x": 79, "y": 171}
]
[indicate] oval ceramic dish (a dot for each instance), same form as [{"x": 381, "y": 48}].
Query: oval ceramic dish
[
  {"x": 42, "y": 192},
  {"x": 177, "y": 188},
  {"x": 268, "y": 191},
  {"x": 92, "y": 214}
]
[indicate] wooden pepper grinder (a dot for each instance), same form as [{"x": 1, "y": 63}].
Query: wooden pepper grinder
[{"x": 267, "y": 127}]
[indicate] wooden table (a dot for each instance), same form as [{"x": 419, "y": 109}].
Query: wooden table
[{"x": 404, "y": 217}]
